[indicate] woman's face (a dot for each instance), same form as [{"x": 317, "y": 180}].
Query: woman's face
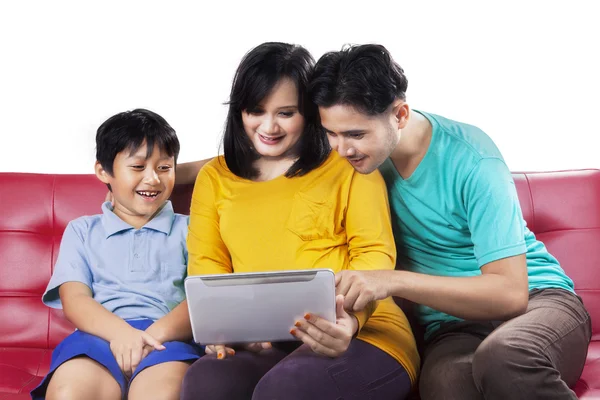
[{"x": 275, "y": 125}]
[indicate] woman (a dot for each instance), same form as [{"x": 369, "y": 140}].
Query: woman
[{"x": 277, "y": 199}]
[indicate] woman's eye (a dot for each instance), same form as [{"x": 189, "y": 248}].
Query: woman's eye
[
  {"x": 255, "y": 111},
  {"x": 287, "y": 113}
]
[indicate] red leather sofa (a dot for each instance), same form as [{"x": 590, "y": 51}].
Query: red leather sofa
[{"x": 562, "y": 208}]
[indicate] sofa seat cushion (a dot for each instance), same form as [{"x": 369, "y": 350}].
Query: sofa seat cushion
[
  {"x": 21, "y": 370},
  {"x": 588, "y": 387}
]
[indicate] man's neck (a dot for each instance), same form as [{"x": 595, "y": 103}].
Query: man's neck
[{"x": 413, "y": 144}]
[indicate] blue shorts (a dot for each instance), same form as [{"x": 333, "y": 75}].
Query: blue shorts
[{"x": 83, "y": 344}]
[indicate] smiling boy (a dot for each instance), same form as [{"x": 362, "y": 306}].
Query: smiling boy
[{"x": 119, "y": 275}]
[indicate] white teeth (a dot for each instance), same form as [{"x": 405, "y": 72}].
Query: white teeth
[{"x": 149, "y": 194}]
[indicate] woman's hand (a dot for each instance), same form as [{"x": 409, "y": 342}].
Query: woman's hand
[
  {"x": 324, "y": 337},
  {"x": 222, "y": 351}
]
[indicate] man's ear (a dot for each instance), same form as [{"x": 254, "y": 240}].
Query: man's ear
[
  {"x": 101, "y": 173},
  {"x": 401, "y": 112}
]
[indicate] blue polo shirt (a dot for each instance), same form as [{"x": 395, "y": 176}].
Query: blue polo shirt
[
  {"x": 133, "y": 273},
  {"x": 459, "y": 210}
]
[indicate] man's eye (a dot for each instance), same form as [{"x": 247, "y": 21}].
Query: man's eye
[{"x": 356, "y": 135}]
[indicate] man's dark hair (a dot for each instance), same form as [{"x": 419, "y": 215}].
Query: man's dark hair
[{"x": 364, "y": 77}]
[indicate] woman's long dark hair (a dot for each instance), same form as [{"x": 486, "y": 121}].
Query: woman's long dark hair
[{"x": 260, "y": 70}]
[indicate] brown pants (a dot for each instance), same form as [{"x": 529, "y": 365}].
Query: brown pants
[{"x": 537, "y": 355}]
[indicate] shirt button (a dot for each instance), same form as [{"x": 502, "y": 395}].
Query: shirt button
[{"x": 136, "y": 255}]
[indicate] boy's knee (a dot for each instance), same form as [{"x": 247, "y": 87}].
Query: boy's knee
[{"x": 75, "y": 391}]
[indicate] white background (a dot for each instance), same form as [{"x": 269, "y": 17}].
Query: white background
[{"x": 526, "y": 72}]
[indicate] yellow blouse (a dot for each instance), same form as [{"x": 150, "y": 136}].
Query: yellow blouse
[{"x": 333, "y": 217}]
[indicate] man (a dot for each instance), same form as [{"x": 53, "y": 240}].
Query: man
[{"x": 501, "y": 318}]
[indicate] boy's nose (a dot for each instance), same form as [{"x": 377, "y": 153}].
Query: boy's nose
[{"x": 151, "y": 176}]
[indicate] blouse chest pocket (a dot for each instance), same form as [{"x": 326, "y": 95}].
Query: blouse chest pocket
[{"x": 311, "y": 219}]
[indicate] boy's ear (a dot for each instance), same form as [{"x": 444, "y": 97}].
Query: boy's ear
[{"x": 101, "y": 173}]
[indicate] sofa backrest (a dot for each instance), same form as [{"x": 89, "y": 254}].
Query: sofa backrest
[{"x": 562, "y": 208}]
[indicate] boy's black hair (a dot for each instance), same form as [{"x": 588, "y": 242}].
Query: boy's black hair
[
  {"x": 364, "y": 77},
  {"x": 128, "y": 131},
  {"x": 258, "y": 73}
]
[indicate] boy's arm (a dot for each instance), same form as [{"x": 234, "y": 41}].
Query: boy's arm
[
  {"x": 186, "y": 173},
  {"x": 175, "y": 326},
  {"x": 87, "y": 314}
]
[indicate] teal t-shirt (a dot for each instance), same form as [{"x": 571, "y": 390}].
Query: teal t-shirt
[{"x": 459, "y": 211}]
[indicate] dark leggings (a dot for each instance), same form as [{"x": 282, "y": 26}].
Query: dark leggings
[{"x": 363, "y": 372}]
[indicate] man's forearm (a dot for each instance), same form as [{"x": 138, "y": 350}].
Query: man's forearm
[{"x": 483, "y": 297}]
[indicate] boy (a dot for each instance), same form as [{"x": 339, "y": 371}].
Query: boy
[{"x": 119, "y": 275}]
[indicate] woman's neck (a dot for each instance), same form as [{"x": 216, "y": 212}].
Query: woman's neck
[{"x": 270, "y": 168}]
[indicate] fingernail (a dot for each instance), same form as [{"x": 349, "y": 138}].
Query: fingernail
[
  {"x": 293, "y": 332},
  {"x": 307, "y": 316},
  {"x": 297, "y": 324},
  {"x": 220, "y": 355},
  {"x": 231, "y": 352}
]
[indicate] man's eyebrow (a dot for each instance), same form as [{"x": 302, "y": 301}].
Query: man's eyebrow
[{"x": 347, "y": 132}]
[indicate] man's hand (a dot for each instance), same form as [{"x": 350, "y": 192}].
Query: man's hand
[{"x": 362, "y": 287}]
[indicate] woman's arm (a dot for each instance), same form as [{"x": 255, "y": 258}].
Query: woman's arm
[
  {"x": 207, "y": 253},
  {"x": 371, "y": 243}
]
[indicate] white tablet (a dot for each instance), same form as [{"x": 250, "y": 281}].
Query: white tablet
[{"x": 256, "y": 307}]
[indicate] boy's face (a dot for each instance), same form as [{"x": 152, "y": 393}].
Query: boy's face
[
  {"x": 140, "y": 185},
  {"x": 365, "y": 141}
]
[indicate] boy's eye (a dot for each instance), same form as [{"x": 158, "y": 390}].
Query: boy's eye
[
  {"x": 164, "y": 168},
  {"x": 137, "y": 167}
]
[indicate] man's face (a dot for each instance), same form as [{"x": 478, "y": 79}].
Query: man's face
[{"x": 365, "y": 141}]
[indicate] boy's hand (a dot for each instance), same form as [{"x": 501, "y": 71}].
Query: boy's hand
[
  {"x": 129, "y": 348},
  {"x": 324, "y": 337}
]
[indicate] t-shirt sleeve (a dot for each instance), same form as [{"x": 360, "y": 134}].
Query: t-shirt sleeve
[
  {"x": 493, "y": 211},
  {"x": 71, "y": 265}
]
